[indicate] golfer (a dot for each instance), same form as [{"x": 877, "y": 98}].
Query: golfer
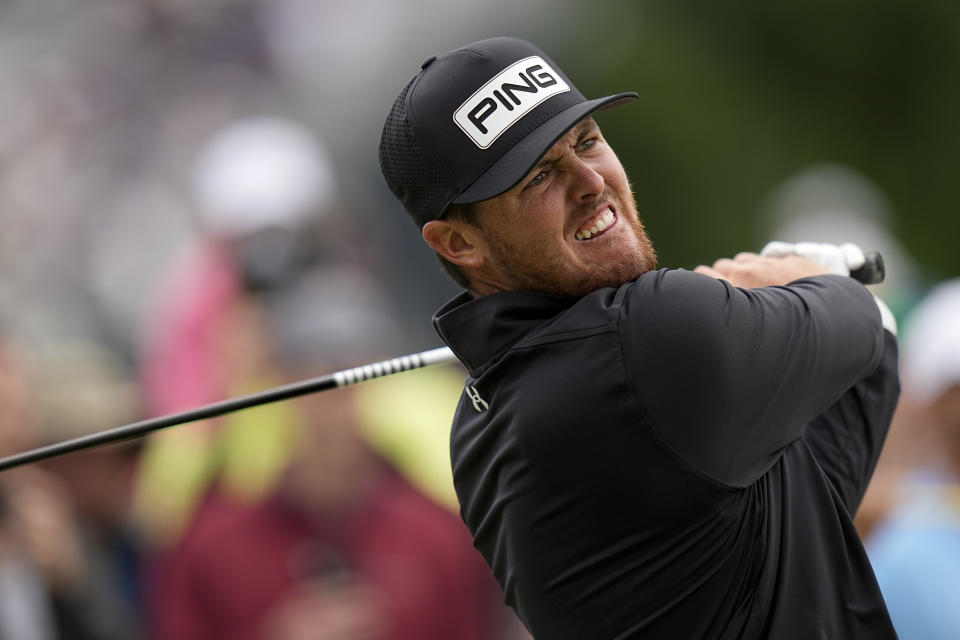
[{"x": 638, "y": 452}]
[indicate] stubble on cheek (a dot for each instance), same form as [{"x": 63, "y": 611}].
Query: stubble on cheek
[{"x": 541, "y": 265}]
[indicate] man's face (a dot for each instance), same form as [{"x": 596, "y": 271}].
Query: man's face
[{"x": 569, "y": 227}]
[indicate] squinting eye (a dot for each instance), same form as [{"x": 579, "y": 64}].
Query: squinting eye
[
  {"x": 537, "y": 179},
  {"x": 589, "y": 142}
]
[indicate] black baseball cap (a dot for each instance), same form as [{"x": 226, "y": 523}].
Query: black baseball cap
[{"x": 472, "y": 123}]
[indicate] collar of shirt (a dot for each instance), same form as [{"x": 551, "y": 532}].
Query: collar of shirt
[{"x": 479, "y": 329}]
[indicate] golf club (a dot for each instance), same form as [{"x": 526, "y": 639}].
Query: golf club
[{"x": 334, "y": 380}]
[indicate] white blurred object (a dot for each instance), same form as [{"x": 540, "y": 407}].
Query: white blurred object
[
  {"x": 930, "y": 358},
  {"x": 262, "y": 172},
  {"x": 839, "y": 259}
]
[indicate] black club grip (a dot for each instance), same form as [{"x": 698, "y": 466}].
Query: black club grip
[{"x": 872, "y": 271}]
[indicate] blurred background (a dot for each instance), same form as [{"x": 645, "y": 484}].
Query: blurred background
[{"x": 176, "y": 177}]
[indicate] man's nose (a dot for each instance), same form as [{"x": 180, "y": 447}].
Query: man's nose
[{"x": 586, "y": 181}]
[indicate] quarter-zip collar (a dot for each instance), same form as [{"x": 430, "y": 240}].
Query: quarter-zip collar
[{"x": 478, "y": 329}]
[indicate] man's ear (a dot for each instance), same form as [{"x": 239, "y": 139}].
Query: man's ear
[{"x": 459, "y": 242}]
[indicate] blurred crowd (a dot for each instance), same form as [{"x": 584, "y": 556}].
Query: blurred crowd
[
  {"x": 190, "y": 210},
  {"x": 318, "y": 517},
  {"x": 175, "y": 231}
]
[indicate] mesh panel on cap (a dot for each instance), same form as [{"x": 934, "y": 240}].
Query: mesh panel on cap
[{"x": 420, "y": 182}]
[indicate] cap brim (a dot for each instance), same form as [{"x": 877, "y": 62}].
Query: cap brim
[{"x": 520, "y": 159}]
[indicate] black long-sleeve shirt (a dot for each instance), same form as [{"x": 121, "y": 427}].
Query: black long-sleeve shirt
[{"x": 677, "y": 457}]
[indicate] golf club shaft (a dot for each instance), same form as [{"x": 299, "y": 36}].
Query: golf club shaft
[{"x": 334, "y": 380}]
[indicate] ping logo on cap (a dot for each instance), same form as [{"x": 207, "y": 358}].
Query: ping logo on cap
[{"x": 506, "y": 98}]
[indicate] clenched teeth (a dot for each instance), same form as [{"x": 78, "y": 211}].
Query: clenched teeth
[{"x": 597, "y": 225}]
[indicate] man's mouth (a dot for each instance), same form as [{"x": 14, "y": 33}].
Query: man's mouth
[{"x": 603, "y": 220}]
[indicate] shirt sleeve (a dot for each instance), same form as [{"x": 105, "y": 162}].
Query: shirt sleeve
[
  {"x": 847, "y": 438},
  {"x": 727, "y": 377}
]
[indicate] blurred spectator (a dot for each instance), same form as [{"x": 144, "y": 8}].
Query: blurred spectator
[
  {"x": 343, "y": 547},
  {"x": 264, "y": 190},
  {"x": 50, "y": 586},
  {"x": 261, "y": 187},
  {"x": 81, "y": 388},
  {"x": 916, "y": 549}
]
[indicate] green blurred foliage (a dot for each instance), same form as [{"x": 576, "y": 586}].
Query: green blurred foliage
[{"x": 738, "y": 96}]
